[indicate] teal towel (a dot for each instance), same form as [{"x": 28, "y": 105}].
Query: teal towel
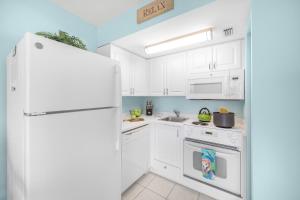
[{"x": 209, "y": 167}]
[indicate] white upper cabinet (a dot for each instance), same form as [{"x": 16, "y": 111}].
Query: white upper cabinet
[
  {"x": 167, "y": 75},
  {"x": 219, "y": 57},
  {"x": 227, "y": 56},
  {"x": 157, "y": 77},
  {"x": 125, "y": 64},
  {"x": 140, "y": 78},
  {"x": 199, "y": 60},
  {"x": 134, "y": 70},
  {"x": 212, "y": 72},
  {"x": 175, "y": 75}
]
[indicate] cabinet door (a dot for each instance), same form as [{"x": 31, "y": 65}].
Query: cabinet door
[
  {"x": 140, "y": 76},
  {"x": 227, "y": 56},
  {"x": 157, "y": 77},
  {"x": 199, "y": 60},
  {"x": 236, "y": 84},
  {"x": 167, "y": 144},
  {"x": 123, "y": 58},
  {"x": 175, "y": 75}
]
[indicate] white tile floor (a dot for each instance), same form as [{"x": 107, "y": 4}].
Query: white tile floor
[{"x": 154, "y": 187}]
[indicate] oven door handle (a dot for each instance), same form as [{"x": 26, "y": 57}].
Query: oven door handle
[
  {"x": 221, "y": 152},
  {"x": 209, "y": 144}
]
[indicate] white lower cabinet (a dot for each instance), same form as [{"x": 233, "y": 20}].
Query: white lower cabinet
[
  {"x": 166, "y": 170},
  {"x": 166, "y": 150}
]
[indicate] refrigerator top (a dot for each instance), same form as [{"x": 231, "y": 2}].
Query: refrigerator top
[{"x": 57, "y": 77}]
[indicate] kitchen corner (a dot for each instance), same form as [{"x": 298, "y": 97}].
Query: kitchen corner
[{"x": 172, "y": 150}]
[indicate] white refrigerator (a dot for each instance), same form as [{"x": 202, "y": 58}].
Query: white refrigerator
[{"x": 63, "y": 123}]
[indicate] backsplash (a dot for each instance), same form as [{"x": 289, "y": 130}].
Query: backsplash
[
  {"x": 168, "y": 104},
  {"x": 133, "y": 102}
]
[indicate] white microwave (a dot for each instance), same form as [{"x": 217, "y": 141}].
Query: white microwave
[{"x": 216, "y": 85}]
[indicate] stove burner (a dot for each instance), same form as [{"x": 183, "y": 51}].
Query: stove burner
[{"x": 200, "y": 123}]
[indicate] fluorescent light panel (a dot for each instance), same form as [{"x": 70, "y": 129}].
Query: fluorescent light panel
[{"x": 181, "y": 41}]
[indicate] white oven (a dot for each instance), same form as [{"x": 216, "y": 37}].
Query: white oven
[
  {"x": 228, "y": 162},
  {"x": 208, "y": 86}
]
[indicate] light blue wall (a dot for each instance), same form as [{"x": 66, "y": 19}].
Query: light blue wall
[
  {"x": 168, "y": 104},
  {"x": 275, "y": 110},
  {"x": 133, "y": 102},
  {"x": 125, "y": 24},
  {"x": 17, "y": 17},
  {"x": 247, "y": 111}
]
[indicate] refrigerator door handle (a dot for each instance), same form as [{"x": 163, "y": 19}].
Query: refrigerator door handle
[{"x": 119, "y": 104}]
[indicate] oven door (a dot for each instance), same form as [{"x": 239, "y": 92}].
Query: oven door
[{"x": 228, "y": 162}]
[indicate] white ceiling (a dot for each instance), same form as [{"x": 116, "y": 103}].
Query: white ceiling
[
  {"x": 220, "y": 14},
  {"x": 97, "y": 12}
]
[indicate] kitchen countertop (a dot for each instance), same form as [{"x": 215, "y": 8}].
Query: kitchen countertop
[{"x": 126, "y": 125}]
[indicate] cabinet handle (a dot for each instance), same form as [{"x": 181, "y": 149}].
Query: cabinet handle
[
  {"x": 165, "y": 167},
  {"x": 209, "y": 66},
  {"x": 208, "y": 133},
  {"x": 164, "y": 91},
  {"x": 167, "y": 91},
  {"x": 235, "y": 78},
  {"x": 214, "y": 65}
]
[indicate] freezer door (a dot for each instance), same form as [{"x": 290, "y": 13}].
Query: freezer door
[
  {"x": 73, "y": 156},
  {"x": 60, "y": 77}
]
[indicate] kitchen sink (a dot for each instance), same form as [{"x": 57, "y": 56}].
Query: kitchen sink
[{"x": 173, "y": 119}]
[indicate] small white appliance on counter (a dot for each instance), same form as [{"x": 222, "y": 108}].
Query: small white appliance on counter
[{"x": 63, "y": 123}]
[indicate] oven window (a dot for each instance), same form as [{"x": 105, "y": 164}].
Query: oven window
[
  {"x": 206, "y": 88},
  {"x": 220, "y": 162}
]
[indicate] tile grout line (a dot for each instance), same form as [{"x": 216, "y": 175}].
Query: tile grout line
[
  {"x": 171, "y": 190},
  {"x": 139, "y": 193},
  {"x": 155, "y": 193},
  {"x": 144, "y": 187}
]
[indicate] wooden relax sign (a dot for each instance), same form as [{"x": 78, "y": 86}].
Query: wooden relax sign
[{"x": 154, "y": 9}]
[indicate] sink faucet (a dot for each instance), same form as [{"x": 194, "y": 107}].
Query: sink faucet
[{"x": 177, "y": 113}]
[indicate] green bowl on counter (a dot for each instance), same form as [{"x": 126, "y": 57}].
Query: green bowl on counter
[{"x": 136, "y": 112}]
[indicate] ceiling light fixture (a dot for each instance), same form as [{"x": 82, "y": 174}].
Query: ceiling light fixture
[{"x": 181, "y": 41}]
